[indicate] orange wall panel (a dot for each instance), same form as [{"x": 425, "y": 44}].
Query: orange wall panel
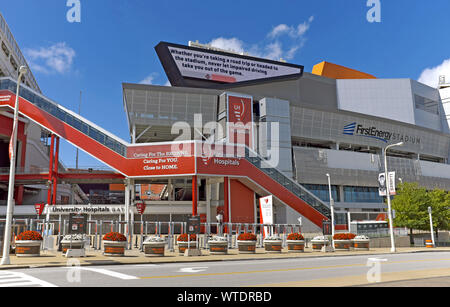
[
  {"x": 334, "y": 71},
  {"x": 242, "y": 203}
]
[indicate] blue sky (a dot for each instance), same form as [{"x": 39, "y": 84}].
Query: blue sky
[{"x": 114, "y": 43}]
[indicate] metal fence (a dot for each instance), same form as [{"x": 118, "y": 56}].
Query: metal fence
[{"x": 140, "y": 230}]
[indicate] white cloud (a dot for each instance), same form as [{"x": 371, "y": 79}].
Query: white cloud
[
  {"x": 279, "y": 30},
  {"x": 231, "y": 44},
  {"x": 430, "y": 76},
  {"x": 273, "y": 46},
  {"x": 57, "y": 58},
  {"x": 293, "y": 31},
  {"x": 149, "y": 79},
  {"x": 304, "y": 27}
]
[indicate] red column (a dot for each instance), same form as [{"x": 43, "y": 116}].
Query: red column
[
  {"x": 50, "y": 170},
  {"x": 226, "y": 200},
  {"x": 55, "y": 172},
  {"x": 194, "y": 195}
]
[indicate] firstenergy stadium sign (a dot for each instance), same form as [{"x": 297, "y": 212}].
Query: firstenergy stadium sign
[
  {"x": 182, "y": 62},
  {"x": 356, "y": 129}
]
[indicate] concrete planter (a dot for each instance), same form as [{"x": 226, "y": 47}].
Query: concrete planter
[
  {"x": 273, "y": 246},
  {"x": 361, "y": 244},
  {"x": 154, "y": 249},
  {"x": 246, "y": 247},
  {"x": 317, "y": 245},
  {"x": 183, "y": 246},
  {"x": 114, "y": 248},
  {"x": 296, "y": 246},
  {"x": 28, "y": 248},
  {"x": 75, "y": 244},
  {"x": 342, "y": 245},
  {"x": 218, "y": 247}
]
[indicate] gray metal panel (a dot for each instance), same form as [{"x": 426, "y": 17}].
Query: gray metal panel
[
  {"x": 329, "y": 126},
  {"x": 386, "y": 98}
]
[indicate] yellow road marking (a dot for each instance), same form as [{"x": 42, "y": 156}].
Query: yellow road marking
[{"x": 283, "y": 270}]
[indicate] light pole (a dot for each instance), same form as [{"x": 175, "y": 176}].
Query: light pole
[
  {"x": 332, "y": 212},
  {"x": 12, "y": 172},
  {"x": 388, "y": 195},
  {"x": 430, "y": 211}
]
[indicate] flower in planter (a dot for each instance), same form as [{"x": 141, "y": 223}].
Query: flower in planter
[
  {"x": 29, "y": 236},
  {"x": 344, "y": 236},
  {"x": 114, "y": 236},
  {"x": 74, "y": 237},
  {"x": 218, "y": 239},
  {"x": 295, "y": 237},
  {"x": 155, "y": 239},
  {"x": 273, "y": 238},
  {"x": 320, "y": 238},
  {"x": 184, "y": 237},
  {"x": 247, "y": 237},
  {"x": 362, "y": 237}
]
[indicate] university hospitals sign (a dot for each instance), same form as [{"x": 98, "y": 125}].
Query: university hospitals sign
[{"x": 85, "y": 209}]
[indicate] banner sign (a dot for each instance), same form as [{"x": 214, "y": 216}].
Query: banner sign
[
  {"x": 266, "y": 213},
  {"x": 86, "y": 209},
  {"x": 39, "y": 208},
  {"x": 224, "y": 67},
  {"x": 77, "y": 223},
  {"x": 162, "y": 159},
  {"x": 326, "y": 228},
  {"x": 382, "y": 186},
  {"x": 240, "y": 120},
  {"x": 193, "y": 225},
  {"x": 140, "y": 208}
]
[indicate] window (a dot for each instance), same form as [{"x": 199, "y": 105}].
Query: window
[
  {"x": 322, "y": 191},
  {"x": 5, "y": 49},
  {"x": 426, "y": 104},
  {"x": 362, "y": 195}
]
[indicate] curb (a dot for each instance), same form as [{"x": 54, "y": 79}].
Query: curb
[{"x": 112, "y": 262}]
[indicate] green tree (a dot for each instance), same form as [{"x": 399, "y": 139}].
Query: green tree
[
  {"x": 411, "y": 207},
  {"x": 440, "y": 204}
]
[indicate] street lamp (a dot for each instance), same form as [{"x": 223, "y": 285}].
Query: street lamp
[
  {"x": 12, "y": 172},
  {"x": 388, "y": 195},
  {"x": 332, "y": 211}
]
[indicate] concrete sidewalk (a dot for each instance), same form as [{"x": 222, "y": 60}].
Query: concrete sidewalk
[{"x": 57, "y": 259}]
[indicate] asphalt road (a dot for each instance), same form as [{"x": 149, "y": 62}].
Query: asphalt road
[{"x": 324, "y": 271}]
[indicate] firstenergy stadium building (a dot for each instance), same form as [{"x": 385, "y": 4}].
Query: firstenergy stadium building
[{"x": 233, "y": 128}]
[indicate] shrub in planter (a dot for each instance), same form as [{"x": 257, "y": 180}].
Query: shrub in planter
[
  {"x": 296, "y": 243},
  {"x": 28, "y": 244},
  {"x": 185, "y": 241},
  {"x": 247, "y": 243},
  {"x": 218, "y": 245},
  {"x": 273, "y": 244},
  {"x": 75, "y": 241},
  {"x": 361, "y": 243},
  {"x": 343, "y": 241},
  {"x": 154, "y": 246},
  {"x": 114, "y": 244},
  {"x": 319, "y": 242}
]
